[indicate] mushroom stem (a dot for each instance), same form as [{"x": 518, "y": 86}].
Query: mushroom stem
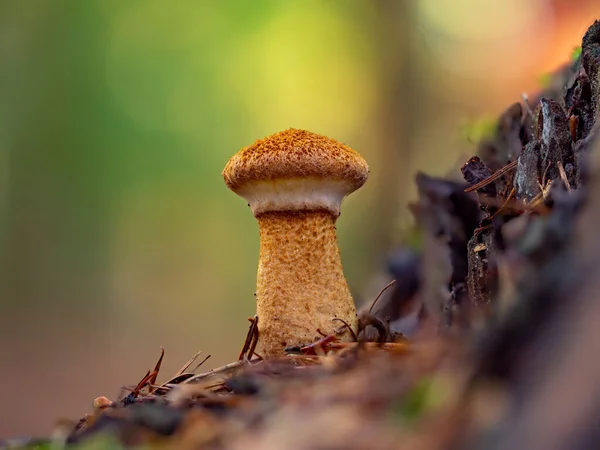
[{"x": 300, "y": 283}]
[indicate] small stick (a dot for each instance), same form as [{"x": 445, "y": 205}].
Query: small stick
[
  {"x": 347, "y": 326},
  {"x": 493, "y": 177},
  {"x": 321, "y": 333},
  {"x": 391, "y": 283},
  {"x": 563, "y": 175},
  {"x": 225, "y": 368},
  {"x": 188, "y": 364},
  {"x": 317, "y": 346},
  {"x": 544, "y": 176},
  {"x": 397, "y": 346},
  {"x": 299, "y": 356},
  {"x": 142, "y": 383},
  {"x": 254, "y": 340},
  {"x": 515, "y": 205},
  {"x": 525, "y": 98},
  {"x": 537, "y": 203},
  {"x": 200, "y": 363},
  {"x": 177, "y": 379},
  {"x": 512, "y": 192},
  {"x": 152, "y": 379},
  {"x": 157, "y": 387},
  {"x": 249, "y": 336},
  {"x": 543, "y": 194},
  {"x": 476, "y": 231}
]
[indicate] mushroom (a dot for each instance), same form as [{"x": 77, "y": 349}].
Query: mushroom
[{"x": 295, "y": 182}]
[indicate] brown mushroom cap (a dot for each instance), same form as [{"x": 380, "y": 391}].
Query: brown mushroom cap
[{"x": 295, "y": 169}]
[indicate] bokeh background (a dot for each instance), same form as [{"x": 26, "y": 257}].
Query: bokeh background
[{"x": 117, "y": 233}]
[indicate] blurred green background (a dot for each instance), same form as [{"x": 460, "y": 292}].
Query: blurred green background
[{"x": 117, "y": 233}]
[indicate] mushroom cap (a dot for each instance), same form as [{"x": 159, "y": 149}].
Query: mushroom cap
[{"x": 295, "y": 170}]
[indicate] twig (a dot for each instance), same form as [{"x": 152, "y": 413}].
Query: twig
[
  {"x": 493, "y": 177},
  {"x": 254, "y": 341},
  {"x": 136, "y": 390},
  {"x": 525, "y": 99},
  {"x": 225, "y": 368},
  {"x": 544, "y": 175},
  {"x": 476, "y": 231},
  {"x": 317, "y": 346},
  {"x": 354, "y": 338},
  {"x": 391, "y": 283},
  {"x": 187, "y": 364},
  {"x": 200, "y": 363},
  {"x": 563, "y": 175},
  {"x": 512, "y": 192},
  {"x": 395, "y": 346},
  {"x": 152, "y": 379},
  {"x": 250, "y": 337},
  {"x": 321, "y": 333},
  {"x": 514, "y": 205},
  {"x": 298, "y": 356}
]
